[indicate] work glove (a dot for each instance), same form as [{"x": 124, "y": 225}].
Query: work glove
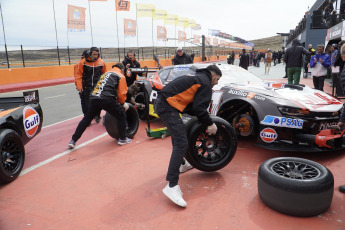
[
  {"x": 125, "y": 106},
  {"x": 212, "y": 129}
]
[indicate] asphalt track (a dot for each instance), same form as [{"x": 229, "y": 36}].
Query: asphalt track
[{"x": 101, "y": 185}]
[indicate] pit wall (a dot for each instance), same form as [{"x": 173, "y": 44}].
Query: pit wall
[{"x": 31, "y": 74}]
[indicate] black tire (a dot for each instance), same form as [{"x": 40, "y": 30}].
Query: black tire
[
  {"x": 295, "y": 186},
  {"x": 190, "y": 123},
  {"x": 143, "y": 113},
  {"x": 12, "y": 155},
  {"x": 211, "y": 153},
  {"x": 110, "y": 123}
]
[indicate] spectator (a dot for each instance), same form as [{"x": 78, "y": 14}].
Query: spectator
[
  {"x": 319, "y": 64},
  {"x": 186, "y": 94},
  {"x": 228, "y": 60},
  {"x": 307, "y": 60},
  {"x": 258, "y": 58},
  {"x": 181, "y": 57},
  {"x": 342, "y": 9},
  {"x": 130, "y": 62},
  {"x": 232, "y": 58},
  {"x": 109, "y": 94},
  {"x": 293, "y": 60},
  {"x": 268, "y": 60},
  {"x": 87, "y": 74},
  {"x": 244, "y": 60}
]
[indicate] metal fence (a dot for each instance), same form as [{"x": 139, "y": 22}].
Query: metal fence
[{"x": 30, "y": 56}]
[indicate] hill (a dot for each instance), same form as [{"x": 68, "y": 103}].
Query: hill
[{"x": 274, "y": 43}]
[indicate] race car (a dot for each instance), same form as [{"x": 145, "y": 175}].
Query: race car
[
  {"x": 282, "y": 116},
  {"x": 20, "y": 121}
]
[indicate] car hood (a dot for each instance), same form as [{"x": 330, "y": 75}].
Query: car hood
[{"x": 304, "y": 97}]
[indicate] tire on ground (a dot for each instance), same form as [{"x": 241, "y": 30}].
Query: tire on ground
[
  {"x": 279, "y": 188},
  {"x": 221, "y": 149},
  {"x": 110, "y": 123},
  {"x": 12, "y": 154}
]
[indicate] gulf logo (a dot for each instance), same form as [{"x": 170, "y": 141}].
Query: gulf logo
[
  {"x": 268, "y": 135},
  {"x": 31, "y": 121}
]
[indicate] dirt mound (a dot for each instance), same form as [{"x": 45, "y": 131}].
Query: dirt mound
[{"x": 274, "y": 43}]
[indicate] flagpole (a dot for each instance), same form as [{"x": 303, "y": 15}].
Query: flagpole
[
  {"x": 90, "y": 22},
  {"x": 175, "y": 33},
  {"x": 117, "y": 29},
  {"x": 3, "y": 29},
  {"x": 136, "y": 19},
  {"x": 57, "y": 42},
  {"x": 153, "y": 45}
]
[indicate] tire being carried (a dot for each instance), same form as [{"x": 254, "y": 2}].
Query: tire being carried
[
  {"x": 210, "y": 153},
  {"x": 12, "y": 155},
  {"x": 295, "y": 186},
  {"x": 110, "y": 123}
]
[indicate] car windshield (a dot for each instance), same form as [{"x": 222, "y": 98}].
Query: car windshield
[
  {"x": 234, "y": 74},
  {"x": 169, "y": 74}
]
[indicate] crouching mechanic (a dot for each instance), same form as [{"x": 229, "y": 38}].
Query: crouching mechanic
[
  {"x": 191, "y": 95},
  {"x": 109, "y": 94}
]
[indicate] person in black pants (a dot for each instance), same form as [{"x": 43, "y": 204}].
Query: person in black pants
[
  {"x": 109, "y": 94},
  {"x": 186, "y": 94}
]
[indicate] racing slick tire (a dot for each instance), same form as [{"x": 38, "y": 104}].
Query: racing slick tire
[
  {"x": 12, "y": 155},
  {"x": 110, "y": 123},
  {"x": 295, "y": 186},
  {"x": 210, "y": 153}
]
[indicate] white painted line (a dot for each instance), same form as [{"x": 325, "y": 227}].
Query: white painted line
[
  {"x": 55, "y": 96},
  {"x": 62, "y": 121},
  {"x": 60, "y": 155}
]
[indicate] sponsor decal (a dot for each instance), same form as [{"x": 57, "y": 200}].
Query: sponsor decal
[
  {"x": 327, "y": 125},
  {"x": 31, "y": 121},
  {"x": 283, "y": 122},
  {"x": 268, "y": 135},
  {"x": 31, "y": 96},
  {"x": 238, "y": 92},
  {"x": 250, "y": 95}
]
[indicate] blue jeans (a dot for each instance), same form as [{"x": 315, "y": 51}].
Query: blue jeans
[{"x": 171, "y": 118}]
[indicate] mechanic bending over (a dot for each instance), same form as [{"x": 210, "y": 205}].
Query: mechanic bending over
[
  {"x": 186, "y": 94},
  {"x": 87, "y": 73},
  {"x": 133, "y": 90},
  {"x": 109, "y": 94}
]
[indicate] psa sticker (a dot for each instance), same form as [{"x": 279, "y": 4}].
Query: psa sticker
[
  {"x": 31, "y": 121},
  {"x": 268, "y": 135}
]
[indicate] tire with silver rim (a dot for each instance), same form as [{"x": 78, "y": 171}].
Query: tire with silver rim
[{"x": 295, "y": 186}]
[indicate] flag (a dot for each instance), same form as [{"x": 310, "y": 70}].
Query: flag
[
  {"x": 181, "y": 36},
  {"x": 122, "y": 5},
  {"x": 171, "y": 19},
  {"x": 76, "y": 19},
  {"x": 184, "y": 22},
  {"x": 130, "y": 27},
  {"x": 192, "y": 23},
  {"x": 197, "y": 27},
  {"x": 161, "y": 33},
  {"x": 196, "y": 39},
  {"x": 215, "y": 41},
  {"x": 145, "y": 10},
  {"x": 213, "y": 32},
  {"x": 160, "y": 14}
]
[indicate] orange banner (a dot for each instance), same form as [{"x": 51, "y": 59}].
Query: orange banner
[
  {"x": 215, "y": 41},
  {"x": 196, "y": 39},
  {"x": 76, "y": 19},
  {"x": 122, "y": 5},
  {"x": 181, "y": 36},
  {"x": 130, "y": 27},
  {"x": 161, "y": 33}
]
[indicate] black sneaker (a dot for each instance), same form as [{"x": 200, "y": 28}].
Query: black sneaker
[
  {"x": 342, "y": 188},
  {"x": 285, "y": 77},
  {"x": 71, "y": 144}
]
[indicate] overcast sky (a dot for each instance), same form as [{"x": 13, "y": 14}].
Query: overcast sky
[{"x": 31, "y": 22}]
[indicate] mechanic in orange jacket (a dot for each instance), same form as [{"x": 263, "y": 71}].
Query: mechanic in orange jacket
[
  {"x": 87, "y": 73},
  {"x": 109, "y": 94},
  {"x": 191, "y": 95}
]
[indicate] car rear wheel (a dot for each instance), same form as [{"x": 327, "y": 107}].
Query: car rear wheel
[
  {"x": 12, "y": 155},
  {"x": 210, "y": 153},
  {"x": 111, "y": 123},
  {"x": 295, "y": 186}
]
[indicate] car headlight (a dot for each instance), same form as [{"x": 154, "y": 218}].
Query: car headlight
[{"x": 294, "y": 111}]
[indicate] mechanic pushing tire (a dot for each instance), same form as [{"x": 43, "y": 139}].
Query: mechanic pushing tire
[
  {"x": 12, "y": 155},
  {"x": 110, "y": 123},
  {"x": 295, "y": 186},
  {"x": 210, "y": 153}
]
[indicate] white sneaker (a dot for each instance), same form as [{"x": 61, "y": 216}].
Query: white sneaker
[
  {"x": 185, "y": 167},
  {"x": 175, "y": 195}
]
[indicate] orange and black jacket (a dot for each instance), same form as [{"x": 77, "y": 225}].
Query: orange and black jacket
[
  {"x": 111, "y": 85},
  {"x": 133, "y": 64},
  {"x": 190, "y": 94},
  {"x": 87, "y": 73}
]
